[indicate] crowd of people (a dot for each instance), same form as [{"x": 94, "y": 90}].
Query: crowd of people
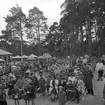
[{"x": 60, "y": 79}]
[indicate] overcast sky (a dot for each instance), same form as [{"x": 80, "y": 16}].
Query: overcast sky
[{"x": 51, "y": 8}]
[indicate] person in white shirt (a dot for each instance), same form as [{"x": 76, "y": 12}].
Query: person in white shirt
[
  {"x": 72, "y": 78},
  {"x": 99, "y": 66}
]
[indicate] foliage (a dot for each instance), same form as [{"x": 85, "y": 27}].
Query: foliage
[
  {"x": 17, "y": 25},
  {"x": 83, "y": 20},
  {"x": 81, "y": 30},
  {"x": 36, "y": 25}
]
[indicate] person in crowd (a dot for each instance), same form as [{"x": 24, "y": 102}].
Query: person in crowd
[
  {"x": 104, "y": 94},
  {"x": 48, "y": 83},
  {"x": 88, "y": 81},
  {"x": 2, "y": 95},
  {"x": 56, "y": 83},
  {"x": 29, "y": 94},
  {"x": 100, "y": 74},
  {"x": 103, "y": 60},
  {"x": 62, "y": 96},
  {"x": 11, "y": 85},
  {"x": 15, "y": 95},
  {"x": 104, "y": 78},
  {"x": 62, "y": 83},
  {"x": 42, "y": 84},
  {"x": 70, "y": 91},
  {"x": 32, "y": 93},
  {"x": 81, "y": 87},
  {"x": 99, "y": 66},
  {"x": 72, "y": 78}
]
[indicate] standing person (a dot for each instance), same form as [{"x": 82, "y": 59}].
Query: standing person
[
  {"x": 62, "y": 96},
  {"x": 42, "y": 85},
  {"x": 32, "y": 93},
  {"x": 89, "y": 84},
  {"x": 63, "y": 83},
  {"x": 70, "y": 91},
  {"x": 100, "y": 74},
  {"x": 15, "y": 95},
  {"x": 2, "y": 96},
  {"x": 29, "y": 94},
  {"x": 104, "y": 94},
  {"x": 104, "y": 78},
  {"x": 99, "y": 66},
  {"x": 10, "y": 87},
  {"x": 48, "y": 83}
]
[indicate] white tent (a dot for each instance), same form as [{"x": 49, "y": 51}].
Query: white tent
[
  {"x": 47, "y": 55},
  {"x": 12, "y": 57},
  {"x": 32, "y": 57},
  {"x": 1, "y": 60},
  {"x": 17, "y": 57},
  {"x": 41, "y": 57},
  {"x": 24, "y": 56}
]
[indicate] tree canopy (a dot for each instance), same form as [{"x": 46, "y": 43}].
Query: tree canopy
[{"x": 81, "y": 29}]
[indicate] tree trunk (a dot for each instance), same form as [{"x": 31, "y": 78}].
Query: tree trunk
[
  {"x": 102, "y": 40},
  {"x": 82, "y": 44},
  {"x": 86, "y": 42},
  {"x": 21, "y": 39},
  {"x": 89, "y": 36},
  {"x": 38, "y": 37}
]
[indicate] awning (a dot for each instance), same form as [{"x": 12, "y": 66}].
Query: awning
[
  {"x": 31, "y": 58},
  {"x": 3, "y": 52}
]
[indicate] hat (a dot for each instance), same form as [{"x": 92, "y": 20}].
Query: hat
[{"x": 60, "y": 87}]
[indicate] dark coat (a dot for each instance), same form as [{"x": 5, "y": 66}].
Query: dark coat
[
  {"x": 62, "y": 96},
  {"x": 15, "y": 94},
  {"x": 63, "y": 84},
  {"x": 88, "y": 79},
  {"x": 42, "y": 85},
  {"x": 104, "y": 92},
  {"x": 3, "y": 102},
  {"x": 100, "y": 72},
  {"x": 29, "y": 93},
  {"x": 2, "y": 97}
]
